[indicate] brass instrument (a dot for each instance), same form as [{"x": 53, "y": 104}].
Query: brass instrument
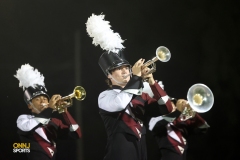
[
  {"x": 162, "y": 54},
  {"x": 200, "y": 99},
  {"x": 79, "y": 93}
]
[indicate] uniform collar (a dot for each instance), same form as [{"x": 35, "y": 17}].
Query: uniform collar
[{"x": 116, "y": 87}]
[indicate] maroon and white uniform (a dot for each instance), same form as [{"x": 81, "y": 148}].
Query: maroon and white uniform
[
  {"x": 42, "y": 131},
  {"x": 123, "y": 111},
  {"x": 171, "y": 133}
]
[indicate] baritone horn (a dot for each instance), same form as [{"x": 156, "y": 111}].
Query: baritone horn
[
  {"x": 79, "y": 94},
  {"x": 162, "y": 54},
  {"x": 200, "y": 99}
]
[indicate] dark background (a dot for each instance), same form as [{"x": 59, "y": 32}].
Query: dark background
[{"x": 202, "y": 35}]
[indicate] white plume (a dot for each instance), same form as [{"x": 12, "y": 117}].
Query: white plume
[
  {"x": 28, "y": 76},
  {"x": 100, "y": 31}
]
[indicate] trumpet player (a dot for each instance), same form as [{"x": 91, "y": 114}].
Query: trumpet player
[
  {"x": 123, "y": 106},
  {"x": 171, "y": 132},
  {"x": 39, "y": 128}
]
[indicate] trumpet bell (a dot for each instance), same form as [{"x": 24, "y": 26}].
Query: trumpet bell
[
  {"x": 79, "y": 93},
  {"x": 163, "y": 54},
  {"x": 200, "y": 98}
]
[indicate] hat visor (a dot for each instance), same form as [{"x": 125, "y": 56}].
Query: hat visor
[
  {"x": 119, "y": 65},
  {"x": 39, "y": 93}
]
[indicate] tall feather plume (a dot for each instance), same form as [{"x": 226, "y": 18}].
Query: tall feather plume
[
  {"x": 100, "y": 31},
  {"x": 28, "y": 76}
]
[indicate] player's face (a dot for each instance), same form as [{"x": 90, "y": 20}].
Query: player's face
[
  {"x": 39, "y": 102},
  {"x": 119, "y": 75}
]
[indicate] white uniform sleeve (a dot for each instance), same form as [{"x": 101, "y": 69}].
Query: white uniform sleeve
[
  {"x": 113, "y": 101},
  {"x": 28, "y": 122},
  {"x": 153, "y": 121}
]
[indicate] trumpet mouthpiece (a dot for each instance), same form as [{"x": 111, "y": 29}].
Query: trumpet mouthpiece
[
  {"x": 127, "y": 75},
  {"x": 44, "y": 104}
]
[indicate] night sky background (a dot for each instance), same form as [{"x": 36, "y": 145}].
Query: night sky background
[{"x": 203, "y": 37}]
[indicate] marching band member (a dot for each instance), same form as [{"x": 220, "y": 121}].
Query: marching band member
[
  {"x": 171, "y": 131},
  {"x": 39, "y": 128},
  {"x": 123, "y": 106}
]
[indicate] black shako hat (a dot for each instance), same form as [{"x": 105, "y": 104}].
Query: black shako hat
[
  {"x": 110, "y": 60},
  {"x": 31, "y": 93},
  {"x": 32, "y": 82}
]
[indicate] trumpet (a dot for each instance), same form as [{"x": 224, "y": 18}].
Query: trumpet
[
  {"x": 200, "y": 100},
  {"x": 162, "y": 54},
  {"x": 79, "y": 94}
]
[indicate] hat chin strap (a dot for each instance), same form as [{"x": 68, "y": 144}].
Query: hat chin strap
[{"x": 36, "y": 110}]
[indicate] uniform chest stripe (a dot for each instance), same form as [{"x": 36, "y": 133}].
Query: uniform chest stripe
[
  {"x": 41, "y": 133},
  {"x": 172, "y": 134}
]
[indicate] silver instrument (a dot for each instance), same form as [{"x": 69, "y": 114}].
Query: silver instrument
[{"x": 200, "y": 99}]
